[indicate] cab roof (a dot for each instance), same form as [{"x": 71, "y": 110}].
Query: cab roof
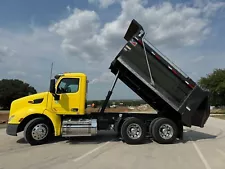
[{"x": 70, "y": 74}]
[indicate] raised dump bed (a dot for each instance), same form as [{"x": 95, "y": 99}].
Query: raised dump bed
[{"x": 158, "y": 81}]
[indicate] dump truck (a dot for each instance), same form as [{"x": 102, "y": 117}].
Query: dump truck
[{"x": 61, "y": 111}]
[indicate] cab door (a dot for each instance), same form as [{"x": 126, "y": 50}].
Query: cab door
[{"x": 68, "y": 91}]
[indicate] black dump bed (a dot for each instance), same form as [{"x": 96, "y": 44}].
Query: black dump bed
[{"x": 158, "y": 81}]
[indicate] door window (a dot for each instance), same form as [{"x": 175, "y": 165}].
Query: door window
[{"x": 68, "y": 85}]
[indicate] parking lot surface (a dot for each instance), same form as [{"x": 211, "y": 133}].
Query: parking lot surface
[{"x": 202, "y": 148}]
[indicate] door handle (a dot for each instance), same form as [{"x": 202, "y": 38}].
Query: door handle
[{"x": 74, "y": 109}]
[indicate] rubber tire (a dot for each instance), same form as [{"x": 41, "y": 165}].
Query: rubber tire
[
  {"x": 151, "y": 124},
  {"x": 28, "y": 129},
  {"x": 155, "y": 131},
  {"x": 124, "y": 135}
]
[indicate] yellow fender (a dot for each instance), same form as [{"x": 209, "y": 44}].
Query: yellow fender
[
  {"x": 56, "y": 121},
  {"x": 18, "y": 117}
]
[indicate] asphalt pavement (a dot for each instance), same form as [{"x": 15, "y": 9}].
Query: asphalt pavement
[{"x": 202, "y": 148}]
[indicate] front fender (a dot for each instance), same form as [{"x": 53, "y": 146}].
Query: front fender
[
  {"x": 17, "y": 117},
  {"x": 21, "y": 114},
  {"x": 56, "y": 121}
]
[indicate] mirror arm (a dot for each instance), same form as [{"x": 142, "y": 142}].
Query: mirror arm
[{"x": 56, "y": 96}]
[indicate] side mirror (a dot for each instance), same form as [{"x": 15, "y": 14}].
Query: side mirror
[{"x": 52, "y": 86}]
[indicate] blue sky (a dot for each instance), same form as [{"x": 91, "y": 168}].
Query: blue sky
[
  {"x": 42, "y": 12},
  {"x": 85, "y": 36}
]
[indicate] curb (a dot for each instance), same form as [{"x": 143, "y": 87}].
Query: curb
[{"x": 220, "y": 114}]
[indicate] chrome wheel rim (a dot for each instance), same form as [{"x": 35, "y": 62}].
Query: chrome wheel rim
[
  {"x": 166, "y": 131},
  {"x": 134, "y": 131},
  {"x": 39, "y": 132}
]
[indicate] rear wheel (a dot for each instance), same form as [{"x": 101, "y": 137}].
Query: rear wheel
[
  {"x": 38, "y": 131},
  {"x": 164, "y": 131},
  {"x": 133, "y": 131},
  {"x": 151, "y": 124}
]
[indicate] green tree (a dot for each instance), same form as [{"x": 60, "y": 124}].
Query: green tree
[
  {"x": 215, "y": 84},
  {"x": 11, "y": 89}
]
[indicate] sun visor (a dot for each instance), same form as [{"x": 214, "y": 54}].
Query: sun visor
[{"x": 133, "y": 29}]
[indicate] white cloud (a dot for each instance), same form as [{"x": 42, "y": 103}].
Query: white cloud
[
  {"x": 38, "y": 76},
  {"x": 165, "y": 24},
  {"x": 197, "y": 59},
  {"x": 17, "y": 73},
  {"x": 107, "y": 3},
  {"x": 208, "y": 6},
  {"x": 168, "y": 24},
  {"x": 103, "y": 78},
  {"x": 5, "y": 52},
  {"x": 103, "y": 3},
  {"x": 29, "y": 53},
  {"x": 79, "y": 34},
  {"x": 211, "y": 8},
  {"x": 68, "y": 8}
]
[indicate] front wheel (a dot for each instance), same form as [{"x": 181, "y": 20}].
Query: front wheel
[
  {"x": 133, "y": 130},
  {"x": 37, "y": 131}
]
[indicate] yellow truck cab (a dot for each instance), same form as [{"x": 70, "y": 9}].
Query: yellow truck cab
[
  {"x": 40, "y": 111},
  {"x": 176, "y": 98}
]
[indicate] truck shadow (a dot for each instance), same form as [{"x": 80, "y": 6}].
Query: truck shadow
[
  {"x": 101, "y": 137},
  {"x": 105, "y": 136},
  {"x": 192, "y": 135}
]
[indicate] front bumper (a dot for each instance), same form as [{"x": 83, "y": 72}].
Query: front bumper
[{"x": 12, "y": 129}]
